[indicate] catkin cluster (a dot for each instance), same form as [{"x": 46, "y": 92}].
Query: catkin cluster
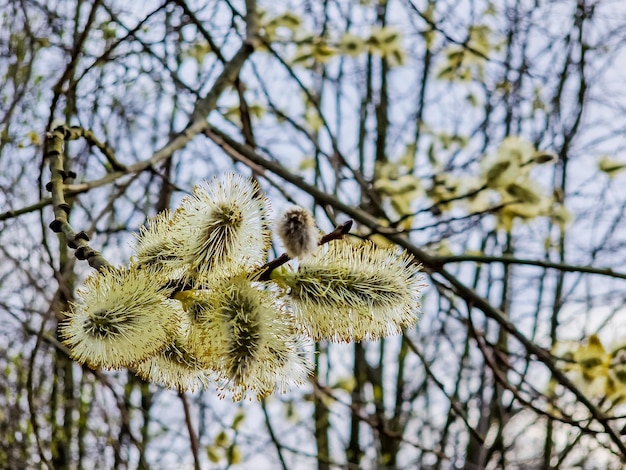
[{"x": 194, "y": 308}]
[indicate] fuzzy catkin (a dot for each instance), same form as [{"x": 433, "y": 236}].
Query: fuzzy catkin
[
  {"x": 224, "y": 227},
  {"x": 298, "y": 232},
  {"x": 355, "y": 291},
  {"x": 122, "y": 316}
]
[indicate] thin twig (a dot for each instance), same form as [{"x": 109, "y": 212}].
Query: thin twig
[
  {"x": 373, "y": 421},
  {"x": 531, "y": 262},
  {"x": 193, "y": 437},
  {"x": 453, "y": 403},
  {"x": 270, "y": 429},
  {"x": 76, "y": 132}
]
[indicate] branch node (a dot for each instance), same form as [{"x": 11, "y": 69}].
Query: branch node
[
  {"x": 65, "y": 207},
  {"x": 338, "y": 233},
  {"x": 347, "y": 225},
  {"x": 82, "y": 235},
  {"x": 56, "y": 226},
  {"x": 84, "y": 252},
  {"x": 265, "y": 271}
]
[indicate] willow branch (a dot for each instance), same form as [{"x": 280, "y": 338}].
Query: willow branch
[
  {"x": 77, "y": 241},
  {"x": 76, "y": 132},
  {"x": 13, "y": 213},
  {"x": 531, "y": 262},
  {"x": 55, "y": 147}
]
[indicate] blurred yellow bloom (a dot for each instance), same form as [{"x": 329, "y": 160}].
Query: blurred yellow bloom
[
  {"x": 387, "y": 42},
  {"x": 383, "y": 41},
  {"x": 315, "y": 48},
  {"x": 610, "y": 166},
  {"x": 322, "y": 52},
  {"x": 509, "y": 163},
  {"x": 592, "y": 358},
  {"x": 445, "y": 186},
  {"x": 351, "y": 44},
  {"x": 597, "y": 372}
]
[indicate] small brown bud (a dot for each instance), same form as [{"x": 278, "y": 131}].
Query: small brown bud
[
  {"x": 84, "y": 252},
  {"x": 298, "y": 232}
]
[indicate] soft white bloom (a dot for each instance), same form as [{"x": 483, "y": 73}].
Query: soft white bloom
[{"x": 158, "y": 244}]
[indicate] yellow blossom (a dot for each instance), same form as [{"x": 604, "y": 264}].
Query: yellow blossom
[
  {"x": 158, "y": 245},
  {"x": 509, "y": 163},
  {"x": 351, "y": 44},
  {"x": 176, "y": 367},
  {"x": 610, "y": 166}
]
